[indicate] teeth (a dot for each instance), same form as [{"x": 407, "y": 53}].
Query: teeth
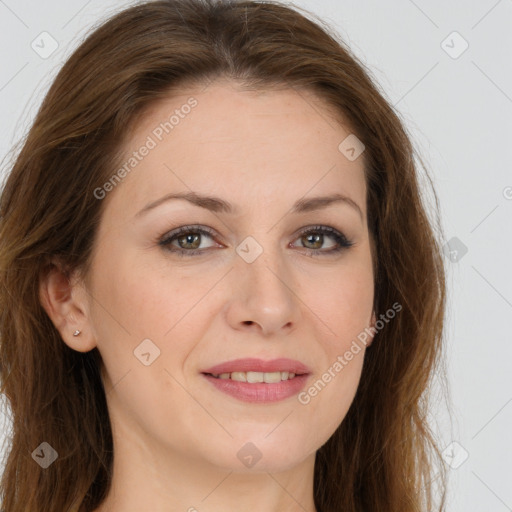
[
  {"x": 272, "y": 377},
  {"x": 255, "y": 377}
]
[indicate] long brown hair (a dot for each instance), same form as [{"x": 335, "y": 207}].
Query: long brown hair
[{"x": 383, "y": 455}]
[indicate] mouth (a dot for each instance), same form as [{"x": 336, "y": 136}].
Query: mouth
[
  {"x": 256, "y": 366},
  {"x": 255, "y": 377},
  {"x": 256, "y": 380}
]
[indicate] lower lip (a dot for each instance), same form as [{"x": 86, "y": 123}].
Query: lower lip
[{"x": 261, "y": 391}]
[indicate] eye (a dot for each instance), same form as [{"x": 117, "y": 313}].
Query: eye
[
  {"x": 187, "y": 240},
  {"x": 313, "y": 239}
]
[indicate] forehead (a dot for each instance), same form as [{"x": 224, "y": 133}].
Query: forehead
[{"x": 276, "y": 144}]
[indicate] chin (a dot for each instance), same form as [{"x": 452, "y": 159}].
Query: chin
[{"x": 259, "y": 455}]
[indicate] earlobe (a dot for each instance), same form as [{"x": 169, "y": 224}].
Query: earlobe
[{"x": 64, "y": 303}]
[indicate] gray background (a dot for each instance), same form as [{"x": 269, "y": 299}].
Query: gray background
[{"x": 457, "y": 106}]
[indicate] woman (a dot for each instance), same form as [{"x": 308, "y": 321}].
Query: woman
[{"x": 220, "y": 287}]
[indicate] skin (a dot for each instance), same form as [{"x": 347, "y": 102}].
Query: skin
[{"x": 176, "y": 437}]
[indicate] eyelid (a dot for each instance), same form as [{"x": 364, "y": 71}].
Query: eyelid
[
  {"x": 342, "y": 242},
  {"x": 341, "y": 239},
  {"x": 187, "y": 229}
]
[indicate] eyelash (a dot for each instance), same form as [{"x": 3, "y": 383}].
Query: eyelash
[{"x": 339, "y": 238}]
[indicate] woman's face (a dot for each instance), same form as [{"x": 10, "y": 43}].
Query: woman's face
[{"x": 261, "y": 281}]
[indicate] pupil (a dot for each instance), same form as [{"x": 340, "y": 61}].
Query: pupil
[
  {"x": 191, "y": 239},
  {"x": 318, "y": 239}
]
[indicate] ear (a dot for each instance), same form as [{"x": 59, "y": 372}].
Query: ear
[
  {"x": 64, "y": 299},
  {"x": 372, "y": 324}
]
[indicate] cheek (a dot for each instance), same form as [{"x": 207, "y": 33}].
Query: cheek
[
  {"x": 331, "y": 391},
  {"x": 342, "y": 311},
  {"x": 342, "y": 305},
  {"x": 142, "y": 301},
  {"x": 324, "y": 403},
  {"x": 136, "y": 301}
]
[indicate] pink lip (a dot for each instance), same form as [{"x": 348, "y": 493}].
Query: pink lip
[
  {"x": 259, "y": 392},
  {"x": 259, "y": 365}
]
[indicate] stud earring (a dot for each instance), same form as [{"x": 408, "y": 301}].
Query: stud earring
[{"x": 76, "y": 333}]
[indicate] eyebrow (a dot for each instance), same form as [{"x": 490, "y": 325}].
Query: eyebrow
[{"x": 218, "y": 205}]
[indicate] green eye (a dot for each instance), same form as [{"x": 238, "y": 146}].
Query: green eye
[{"x": 187, "y": 240}]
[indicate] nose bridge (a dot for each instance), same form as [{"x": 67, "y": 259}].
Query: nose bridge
[
  {"x": 261, "y": 262},
  {"x": 264, "y": 291}
]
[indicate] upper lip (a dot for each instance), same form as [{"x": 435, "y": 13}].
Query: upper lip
[{"x": 259, "y": 365}]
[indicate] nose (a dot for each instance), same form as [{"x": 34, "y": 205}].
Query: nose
[{"x": 263, "y": 298}]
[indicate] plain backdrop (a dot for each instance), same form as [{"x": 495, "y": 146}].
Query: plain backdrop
[{"x": 446, "y": 68}]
